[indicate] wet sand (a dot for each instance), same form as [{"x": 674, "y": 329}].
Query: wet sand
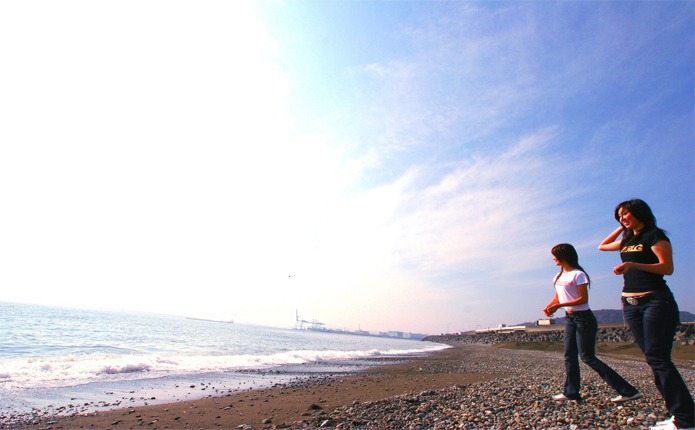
[{"x": 284, "y": 405}]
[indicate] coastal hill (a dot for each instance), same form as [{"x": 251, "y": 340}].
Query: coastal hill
[{"x": 615, "y": 316}]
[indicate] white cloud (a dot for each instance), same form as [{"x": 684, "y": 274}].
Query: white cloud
[{"x": 477, "y": 208}]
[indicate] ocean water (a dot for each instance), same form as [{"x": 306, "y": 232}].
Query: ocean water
[{"x": 57, "y": 358}]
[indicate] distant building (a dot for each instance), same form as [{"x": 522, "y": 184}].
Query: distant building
[
  {"x": 502, "y": 328},
  {"x": 545, "y": 322}
]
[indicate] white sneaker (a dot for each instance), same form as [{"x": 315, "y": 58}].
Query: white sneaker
[
  {"x": 622, "y": 399},
  {"x": 562, "y": 398},
  {"x": 669, "y": 424},
  {"x": 661, "y": 425}
]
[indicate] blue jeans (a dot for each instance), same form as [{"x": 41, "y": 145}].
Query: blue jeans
[
  {"x": 580, "y": 342},
  {"x": 654, "y": 325}
]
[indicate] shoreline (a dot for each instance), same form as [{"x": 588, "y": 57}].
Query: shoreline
[
  {"x": 92, "y": 397},
  {"x": 305, "y": 395},
  {"x": 482, "y": 386}
]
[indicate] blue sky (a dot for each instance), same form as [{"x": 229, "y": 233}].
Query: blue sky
[{"x": 381, "y": 165}]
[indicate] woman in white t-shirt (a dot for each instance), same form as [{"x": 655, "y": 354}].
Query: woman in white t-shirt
[{"x": 572, "y": 293}]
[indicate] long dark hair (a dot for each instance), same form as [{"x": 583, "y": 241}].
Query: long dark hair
[
  {"x": 566, "y": 252},
  {"x": 640, "y": 210}
]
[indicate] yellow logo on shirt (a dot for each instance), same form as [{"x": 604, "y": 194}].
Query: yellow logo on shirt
[{"x": 633, "y": 248}]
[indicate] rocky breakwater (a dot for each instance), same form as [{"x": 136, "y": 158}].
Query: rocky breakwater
[{"x": 685, "y": 335}]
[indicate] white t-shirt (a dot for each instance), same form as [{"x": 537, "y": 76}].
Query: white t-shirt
[{"x": 566, "y": 286}]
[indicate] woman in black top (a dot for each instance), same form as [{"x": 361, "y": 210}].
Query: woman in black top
[{"x": 648, "y": 304}]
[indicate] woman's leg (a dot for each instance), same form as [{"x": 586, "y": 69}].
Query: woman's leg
[
  {"x": 633, "y": 316},
  {"x": 587, "y": 327},
  {"x": 659, "y": 323},
  {"x": 572, "y": 375}
]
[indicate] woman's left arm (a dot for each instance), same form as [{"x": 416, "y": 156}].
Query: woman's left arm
[{"x": 662, "y": 250}]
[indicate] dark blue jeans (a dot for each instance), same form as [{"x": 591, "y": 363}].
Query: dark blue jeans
[
  {"x": 580, "y": 342},
  {"x": 654, "y": 325}
]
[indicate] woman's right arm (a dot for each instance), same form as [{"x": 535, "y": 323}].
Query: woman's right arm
[
  {"x": 548, "y": 311},
  {"x": 612, "y": 241}
]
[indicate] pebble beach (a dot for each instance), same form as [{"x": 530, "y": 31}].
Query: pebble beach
[
  {"x": 468, "y": 386},
  {"x": 520, "y": 398}
]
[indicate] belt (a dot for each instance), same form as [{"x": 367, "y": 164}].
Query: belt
[
  {"x": 577, "y": 312},
  {"x": 638, "y": 300}
]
